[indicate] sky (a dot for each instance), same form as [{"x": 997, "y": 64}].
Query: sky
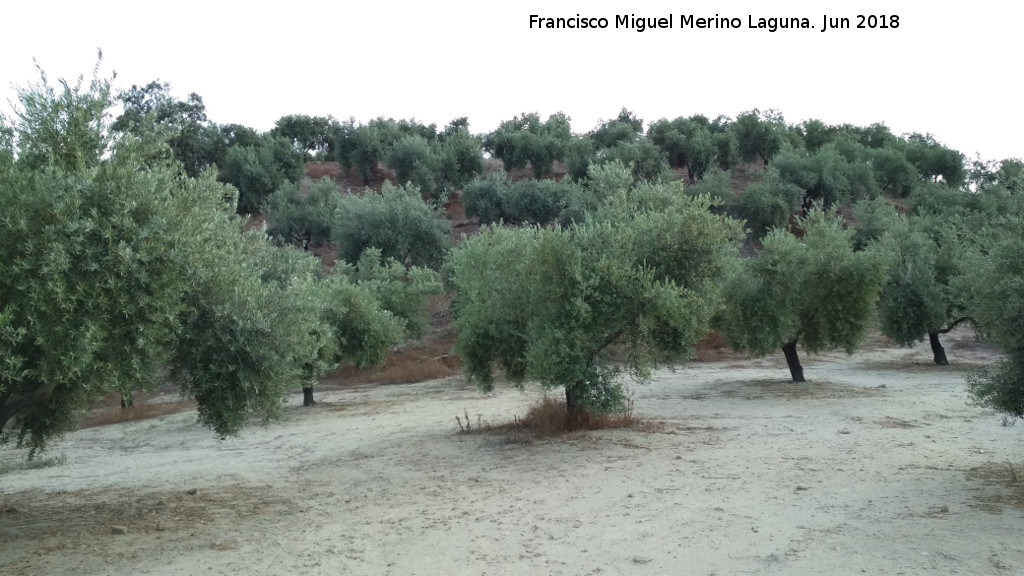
[{"x": 948, "y": 69}]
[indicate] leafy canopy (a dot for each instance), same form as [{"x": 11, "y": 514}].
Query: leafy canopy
[
  {"x": 817, "y": 291},
  {"x": 549, "y": 304}
]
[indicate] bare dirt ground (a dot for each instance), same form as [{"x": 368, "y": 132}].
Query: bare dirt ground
[{"x": 878, "y": 465}]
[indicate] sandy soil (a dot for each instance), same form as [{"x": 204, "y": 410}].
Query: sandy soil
[{"x": 877, "y": 466}]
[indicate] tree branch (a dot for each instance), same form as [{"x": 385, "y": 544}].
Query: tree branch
[{"x": 955, "y": 323}]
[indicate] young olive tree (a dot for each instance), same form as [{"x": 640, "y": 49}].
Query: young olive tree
[
  {"x": 816, "y": 292},
  {"x": 352, "y": 329},
  {"x": 920, "y": 296},
  {"x": 257, "y": 171},
  {"x": 547, "y": 304},
  {"x": 303, "y": 220},
  {"x": 397, "y": 221},
  {"x": 526, "y": 140},
  {"x": 998, "y": 306},
  {"x": 310, "y": 135}
]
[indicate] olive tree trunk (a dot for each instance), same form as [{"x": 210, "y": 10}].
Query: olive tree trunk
[
  {"x": 937, "y": 350},
  {"x": 795, "y": 369},
  {"x": 572, "y": 404}
]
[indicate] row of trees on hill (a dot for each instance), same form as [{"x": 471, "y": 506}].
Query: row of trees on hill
[
  {"x": 127, "y": 265},
  {"x": 807, "y": 162},
  {"x": 258, "y": 164}
]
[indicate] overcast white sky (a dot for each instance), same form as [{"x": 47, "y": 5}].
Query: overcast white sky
[{"x": 951, "y": 69}]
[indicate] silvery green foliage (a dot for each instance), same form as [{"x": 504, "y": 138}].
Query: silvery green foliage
[
  {"x": 817, "y": 291},
  {"x": 526, "y": 140},
  {"x": 305, "y": 220},
  {"x": 540, "y": 202},
  {"x": 397, "y": 221},
  {"x": 257, "y": 171},
  {"x": 549, "y": 304},
  {"x": 768, "y": 203},
  {"x": 120, "y": 272},
  {"x": 402, "y": 291},
  {"x": 913, "y": 301},
  {"x": 997, "y": 305}
]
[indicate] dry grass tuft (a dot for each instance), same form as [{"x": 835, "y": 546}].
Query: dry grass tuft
[
  {"x": 549, "y": 417},
  {"x": 467, "y": 426},
  {"x": 713, "y": 347}
]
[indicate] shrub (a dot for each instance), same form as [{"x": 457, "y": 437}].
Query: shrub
[
  {"x": 525, "y": 139},
  {"x": 304, "y": 220},
  {"x": 397, "y": 221},
  {"x": 768, "y": 203},
  {"x": 646, "y": 161},
  {"x": 460, "y": 158},
  {"x": 538, "y": 202},
  {"x": 408, "y": 155},
  {"x": 257, "y": 171},
  {"x": 482, "y": 198}
]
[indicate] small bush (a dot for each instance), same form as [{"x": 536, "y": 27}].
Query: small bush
[
  {"x": 257, "y": 171},
  {"x": 767, "y": 204},
  {"x": 304, "y": 220},
  {"x": 397, "y": 221},
  {"x": 539, "y": 202},
  {"x": 482, "y": 198},
  {"x": 408, "y": 155},
  {"x": 647, "y": 161},
  {"x": 548, "y": 417}
]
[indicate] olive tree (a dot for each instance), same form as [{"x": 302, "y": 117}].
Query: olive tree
[
  {"x": 113, "y": 259},
  {"x": 768, "y": 203},
  {"x": 151, "y": 111},
  {"x": 817, "y": 292},
  {"x": 759, "y": 135},
  {"x": 919, "y": 297},
  {"x": 305, "y": 220},
  {"x": 625, "y": 127},
  {"x": 397, "y": 221},
  {"x": 998, "y": 307},
  {"x": 645, "y": 160},
  {"x": 526, "y": 140},
  {"x": 352, "y": 329},
  {"x": 494, "y": 199},
  {"x": 689, "y": 142},
  {"x": 310, "y": 135},
  {"x": 548, "y": 304},
  {"x": 120, "y": 273},
  {"x": 257, "y": 171},
  {"x": 437, "y": 166},
  {"x": 826, "y": 176}
]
